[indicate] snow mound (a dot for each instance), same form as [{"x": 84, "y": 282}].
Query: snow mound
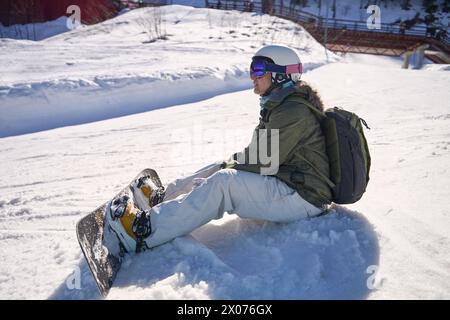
[
  {"x": 436, "y": 67},
  {"x": 122, "y": 67},
  {"x": 326, "y": 258}
]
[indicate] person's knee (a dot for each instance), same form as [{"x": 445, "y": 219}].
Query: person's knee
[
  {"x": 223, "y": 175},
  {"x": 226, "y": 172}
]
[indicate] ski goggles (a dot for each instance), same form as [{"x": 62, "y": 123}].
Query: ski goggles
[{"x": 258, "y": 68}]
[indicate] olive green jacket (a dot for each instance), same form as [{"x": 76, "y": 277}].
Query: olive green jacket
[{"x": 303, "y": 161}]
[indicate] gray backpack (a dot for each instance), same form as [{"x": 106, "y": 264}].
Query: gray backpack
[{"x": 348, "y": 152}]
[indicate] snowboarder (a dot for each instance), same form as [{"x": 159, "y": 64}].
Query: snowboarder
[{"x": 296, "y": 187}]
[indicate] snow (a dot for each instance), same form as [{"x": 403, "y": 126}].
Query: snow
[
  {"x": 355, "y": 10},
  {"x": 91, "y": 73},
  {"x": 393, "y": 244},
  {"x": 437, "y": 67},
  {"x": 408, "y": 195},
  {"x": 389, "y": 11},
  {"x": 35, "y": 31},
  {"x": 346, "y": 9}
]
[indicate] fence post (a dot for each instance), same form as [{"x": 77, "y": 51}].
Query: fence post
[
  {"x": 406, "y": 57},
  {"x": 419, "y": 56},
  {"x": 326, "y": 33}
]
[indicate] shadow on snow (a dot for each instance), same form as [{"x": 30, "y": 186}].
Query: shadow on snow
[{"x": 320, "y": 258}]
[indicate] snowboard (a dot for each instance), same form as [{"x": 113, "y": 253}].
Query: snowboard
[{"x": 101, "y": 246}]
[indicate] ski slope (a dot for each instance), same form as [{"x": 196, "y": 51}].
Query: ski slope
[
  {"x": 50, "y": 179},
  {"x": 92, "y": 72}
]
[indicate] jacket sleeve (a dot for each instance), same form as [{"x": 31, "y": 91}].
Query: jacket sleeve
[
  {"x": 287, "y": 126},
  {"x": 242, "y": 154}
]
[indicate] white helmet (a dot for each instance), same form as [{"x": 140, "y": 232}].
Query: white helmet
[{"x": 283, "y": 56}]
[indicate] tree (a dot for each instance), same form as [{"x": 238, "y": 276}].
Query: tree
[
  {"x": 333, "y": 9},
  {"x": 24, "y": 10},
  {"x": 405, "y": 4},
  {"x": 430, "y": 6},
  {"x": 267, "y": 6},
  {"x": 446, "y": 6}
]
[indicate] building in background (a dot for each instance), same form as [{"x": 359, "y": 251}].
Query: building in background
[{"x": 31, "y": 11}]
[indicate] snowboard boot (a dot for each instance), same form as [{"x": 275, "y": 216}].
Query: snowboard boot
[
  {"x": 129, "y": 215},
  {"x": 146, "y": 193},
  {"x": 131, "y": 224}
]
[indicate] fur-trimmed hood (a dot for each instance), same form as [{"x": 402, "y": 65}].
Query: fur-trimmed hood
[
  {"x": 309, "y": 94},
  {"x": 300, "y": 88}
]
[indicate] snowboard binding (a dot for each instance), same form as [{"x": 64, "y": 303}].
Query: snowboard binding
[
  {"x": 119, "y": 207},
  {"x": 142, "y": 228},
  {"x": 130, "y": 213},
  {"x": 147, "y": 193}
]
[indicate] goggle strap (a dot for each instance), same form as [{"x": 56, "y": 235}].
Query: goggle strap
[
  {"x": 289, "y": 69},
  {"x": 294, "y": 68}
]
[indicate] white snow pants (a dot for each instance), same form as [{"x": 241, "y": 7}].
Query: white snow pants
[{"x": 195, "y": 200}]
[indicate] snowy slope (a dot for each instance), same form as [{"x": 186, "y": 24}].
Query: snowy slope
[
  {"x": 389, "y": 11},
  {"x": 354, "y": 9},
  {"x": 50, "y": 179},
  {"x": 110, "y": 69}
]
